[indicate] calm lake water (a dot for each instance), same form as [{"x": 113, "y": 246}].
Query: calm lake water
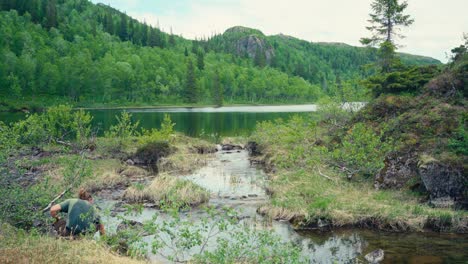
[{"x": 196, "y": 122}]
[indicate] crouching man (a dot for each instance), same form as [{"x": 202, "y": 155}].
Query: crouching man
[{"x": 82, "y": 217}]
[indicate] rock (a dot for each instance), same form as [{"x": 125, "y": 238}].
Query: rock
[
  {"x": 443, "y": 202},
  {"x": 398, "y": 169},
  {"x": 151, "y": 153},
  {"x": 151, "y": 205},
  {"x": 375, "y": 256},
  {"x": 251, "y": 44},
  {"x": 253, "y": 148},
  {"x": 443, "y": 181},
  {"x": 37, "y": 223},
  {"x": 132, "y": 225},
  {"x": 130, "y": 162},
  {"x": 230, "y": 147},
  {"x": 253, "y": 195}
]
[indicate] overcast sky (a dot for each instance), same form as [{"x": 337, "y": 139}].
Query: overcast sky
[{"x": 438, "y": 27}]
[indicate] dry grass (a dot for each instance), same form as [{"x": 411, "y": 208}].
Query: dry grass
[
  {"x": 105, "y": 175},
  {"x": 168, "y": 189},
  {"x": 20, "y": 247},
  {"x": 134, "y": 172},
  {"x": 187, "y": 157}
]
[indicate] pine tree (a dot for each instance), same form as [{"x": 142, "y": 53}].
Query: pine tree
[
  {"x": 144, "y": 31},
  {"x": 131, "y": 30},
  {"x": 260, "y": 58},
  {"x": 386, "y": 18},
  {"x": 172, "y": 40},
  {"x": 152, "y": 38},
  {"x": 339, "y": 86},
  {"x": 186, "y": 52},
  {"x": 217, "y": 89},
  {"x": 51, "y": 14},
  {"x": 123, "y": 30},
  {"x": 324, "y": 84},
  {"x": 191, "y": 84},
  {"x": 109, "y": 27},
  {"x": 200, "y": 60},
  {"x": 34, "y": 10}
]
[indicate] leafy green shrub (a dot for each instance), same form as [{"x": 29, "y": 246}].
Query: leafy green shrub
[
  {"x": 8, "y": 141},
  {"x": 163, "y": 134},
  {"x": 459, "y": 143},
  {"x": 56, "y": 124},
  {"x": 408, "y": 81},
  {"x": 362, "y": 150},
  {"x": 124, "y": 128}
]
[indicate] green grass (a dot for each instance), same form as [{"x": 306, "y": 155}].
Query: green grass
[
  {"x": 305, "y": 188},
  {"x": 17, "y": 246}
]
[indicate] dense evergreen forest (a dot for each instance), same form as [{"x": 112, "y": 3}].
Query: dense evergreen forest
[{"x": 88, "y": 54}]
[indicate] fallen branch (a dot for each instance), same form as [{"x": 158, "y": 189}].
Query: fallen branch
[
  {"x": 55, "y": 199},
  {"x": 69, "y": 188},
  {"x": 325, "y": 176},
  {"x": 64, "y": 143}
]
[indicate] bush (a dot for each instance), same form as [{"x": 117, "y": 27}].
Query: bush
[
  {"x": 459, "y": 142},
  {"x": 362, "y": 150},
  {"x": 408, "y": 81},
  {"x": 56, "y": 124},
  {"x": 163, "y": 134},
  {"x": 124, "y": 128},
  {"x": 8, "y": 141}
]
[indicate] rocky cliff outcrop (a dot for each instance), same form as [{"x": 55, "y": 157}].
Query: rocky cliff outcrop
[
  {"x": 248, "y": 42},
  {"x": 250, "y": 45}
]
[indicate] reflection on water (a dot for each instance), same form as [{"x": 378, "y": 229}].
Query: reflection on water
[
  {"x": 230, "y": 175},
  {"x": 196, "y": 122}
]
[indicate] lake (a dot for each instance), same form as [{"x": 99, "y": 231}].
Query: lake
[{"x": 196, "y": 122}]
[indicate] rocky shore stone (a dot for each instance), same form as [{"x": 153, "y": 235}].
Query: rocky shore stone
[
  {"x": 444, "y": 182},
  {"x": 398, "y": 170}
]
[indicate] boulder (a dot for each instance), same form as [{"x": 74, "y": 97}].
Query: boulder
[
  {"x": 375, "y": 256},
  {"x": 253, "y": 148},
  {"x": 398, "y": 170},
  {"x": 231, "y": 147},
  {"x": 445, "y": 182}
]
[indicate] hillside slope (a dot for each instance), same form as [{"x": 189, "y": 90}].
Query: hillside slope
[
  {"x": 92, "y": 54},
  {"x": 316, "y": 62}
]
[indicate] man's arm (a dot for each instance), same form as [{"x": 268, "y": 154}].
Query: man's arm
[{"x": 54, "y": 210}]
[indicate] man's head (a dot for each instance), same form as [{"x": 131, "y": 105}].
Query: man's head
[{"x": 84, "y": 195}]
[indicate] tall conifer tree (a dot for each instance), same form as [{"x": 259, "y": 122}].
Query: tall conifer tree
[
  {"x": 191, "y": 83},
  {"x": 386, "y": 19}
]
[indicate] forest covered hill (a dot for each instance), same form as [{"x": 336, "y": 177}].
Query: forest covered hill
[{"x": 92, "y": 54}]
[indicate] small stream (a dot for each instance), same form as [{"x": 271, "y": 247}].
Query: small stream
[{"x": 234, "y": 182}]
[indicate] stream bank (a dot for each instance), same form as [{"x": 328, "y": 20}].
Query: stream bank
[{"x": 233, "y": 181}]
